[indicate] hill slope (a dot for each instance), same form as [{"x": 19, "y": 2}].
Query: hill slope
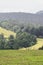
[
  {"x": 38, "y": 45},
  {"x": 6, "y": 33},
  {"x": 35, "y": 47}
]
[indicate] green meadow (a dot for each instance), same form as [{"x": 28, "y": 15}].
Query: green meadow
[
  {"x": 21, "y": 57},
  {"x": 24, "y": 56}
]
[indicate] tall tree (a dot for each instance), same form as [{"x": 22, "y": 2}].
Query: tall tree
[
  {"x": 11, "y": 42},
  {"x": 2, "y": 41}
]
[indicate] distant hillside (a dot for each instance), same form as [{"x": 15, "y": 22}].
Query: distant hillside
[
  {"x": 23, "y": 17},
  {"x": 14, "y": 20}
]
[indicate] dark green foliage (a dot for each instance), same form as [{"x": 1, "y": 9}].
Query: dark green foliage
[
  {"x": 2, "y": 41},
  {"x": 26, "y": 40},
  {"x": 23, "y": 39},
  {"x": 35, "y": 31},
  {"x": 41, "y": 31},
  {"x": 11, "y": 42},
  {"x": 17, "y": 26}
]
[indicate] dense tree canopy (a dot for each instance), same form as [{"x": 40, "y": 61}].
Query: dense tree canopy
[
  {"x": 23, "y": 39},
  {"x": 26, "y": 40}
]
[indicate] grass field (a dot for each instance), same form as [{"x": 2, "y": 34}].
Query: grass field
[
  {"x": 17, "y": 57},
  {"x": 6, "y": 33}
]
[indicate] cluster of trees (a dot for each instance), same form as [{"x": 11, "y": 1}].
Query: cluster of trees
[
  {"x": 22, "y": 40},
  {"x": 37, "y": 31},
  {"x": 17, "y": 27}
]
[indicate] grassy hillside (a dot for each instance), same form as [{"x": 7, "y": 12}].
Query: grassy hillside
[
  {"x": 6, "y": 33},
  {"x": 36, "y": 46},
  {"x": 17, "y": 57}
]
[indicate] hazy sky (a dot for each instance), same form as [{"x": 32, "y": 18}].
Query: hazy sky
[{"x": 21, "y": 5}]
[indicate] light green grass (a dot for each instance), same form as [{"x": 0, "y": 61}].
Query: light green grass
[{"x": 17, "y": 57}]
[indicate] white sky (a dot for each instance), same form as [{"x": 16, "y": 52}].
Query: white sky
[{"x": 21, "y": 5}]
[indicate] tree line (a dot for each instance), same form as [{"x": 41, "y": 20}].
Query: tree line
[
  {"x": 37, "y": 31},
  {"x": 23, "y": 39}
]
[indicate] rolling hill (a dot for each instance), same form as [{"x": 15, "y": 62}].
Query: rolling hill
[
  {"x": 23, "y": 17},
  {"x": 36, "y": 46},
  {"x": 14, "y": 20},
  {"x": 6, "y": 33}
]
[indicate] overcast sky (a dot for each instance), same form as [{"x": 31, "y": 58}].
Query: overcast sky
[{"x": 31, "y": 6}]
